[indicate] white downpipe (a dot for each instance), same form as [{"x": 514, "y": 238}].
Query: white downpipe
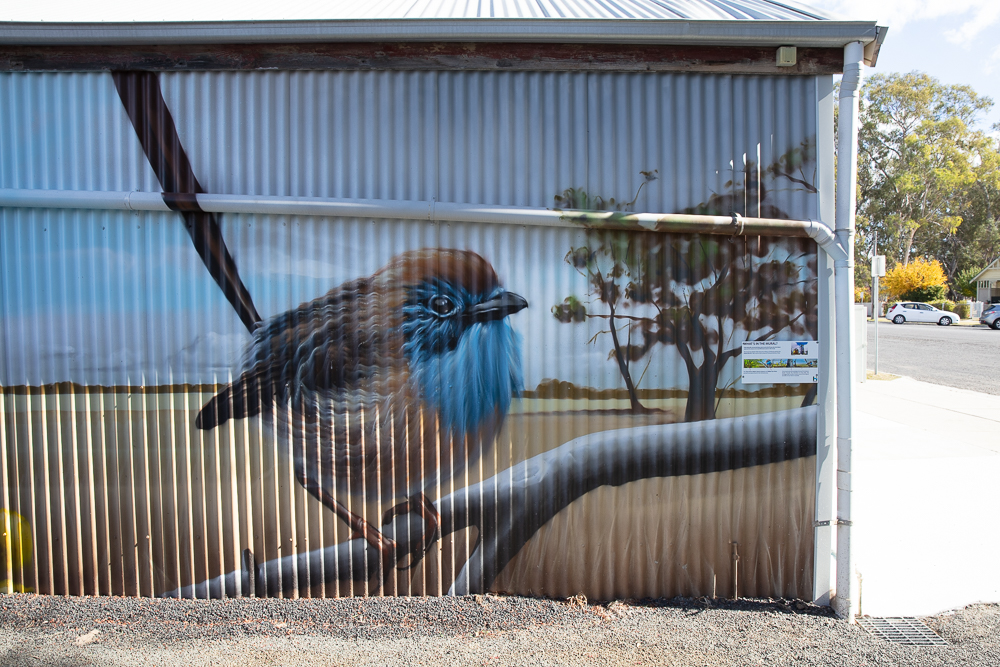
[
  {"x": 845, "y": 602},
  {"x": 825, "y": 526}
]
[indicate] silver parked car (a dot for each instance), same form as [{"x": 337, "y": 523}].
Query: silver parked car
[
  {"x": 904, "y": 312},
  {"x": 991, "y": 316}
]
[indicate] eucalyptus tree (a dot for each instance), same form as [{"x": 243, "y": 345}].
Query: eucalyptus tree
[
  {"x": 922, "y": 169},
  {"x": 702, "y": 295}
]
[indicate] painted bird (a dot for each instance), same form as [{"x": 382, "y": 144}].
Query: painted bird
[{"x": 387, "y": 384}]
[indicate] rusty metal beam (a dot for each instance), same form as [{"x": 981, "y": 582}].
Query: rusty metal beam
[{"x": 418, "y": 56}]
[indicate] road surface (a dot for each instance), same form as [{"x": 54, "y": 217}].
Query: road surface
[{"x": 956, "y": 356}]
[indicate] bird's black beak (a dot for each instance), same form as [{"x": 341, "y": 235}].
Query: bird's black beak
[{"x": 496, "y": 308}]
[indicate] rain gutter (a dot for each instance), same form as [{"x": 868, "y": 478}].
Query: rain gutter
[
  {"x": 728, "y": 225},
  {"x": 617, "y": 31}
]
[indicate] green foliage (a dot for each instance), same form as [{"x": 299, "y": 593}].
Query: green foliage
[
  {"x": 963, "y": 309},
  {"x": 579, "y": 199},
  {"x": 964, "y": 283},
  {"x": 928, "y": 180},
  {"x": 703, "y": 295},
  {"x": 944, "y": 305},
  {"x": 925, "y": 294},
  {"x": 570, "y": 310}
]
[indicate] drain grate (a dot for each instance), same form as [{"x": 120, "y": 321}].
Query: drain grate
[{"x": 902, "y": 630}]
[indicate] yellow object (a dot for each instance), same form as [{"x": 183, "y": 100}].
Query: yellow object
[
  {"x": 918, "y": 273},
  {"x": 15, "y": 550}
]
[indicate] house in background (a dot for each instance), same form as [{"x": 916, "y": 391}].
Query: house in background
[{"x": 988, "y": 283}]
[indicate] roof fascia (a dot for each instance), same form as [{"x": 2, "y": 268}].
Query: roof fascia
[{"x": 620, "y": 31}]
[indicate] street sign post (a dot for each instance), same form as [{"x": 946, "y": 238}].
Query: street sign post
[{"x": 878, "y": 270}]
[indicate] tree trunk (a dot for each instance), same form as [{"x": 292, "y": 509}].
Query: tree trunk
[
  {"x": 701, "y": 393},
  {"x": 909, "y": 245},
  {"x": 810, "y": 396},
  {"x": 623, "y": 365}
]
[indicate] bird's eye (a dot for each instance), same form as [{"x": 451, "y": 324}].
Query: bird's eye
[{"x": 442, "y": 305}]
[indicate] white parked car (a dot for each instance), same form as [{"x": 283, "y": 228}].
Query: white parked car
[{"x": 904, "y": 312}]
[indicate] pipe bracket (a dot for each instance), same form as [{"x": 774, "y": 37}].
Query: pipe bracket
[{"x": 737, "y": 224}]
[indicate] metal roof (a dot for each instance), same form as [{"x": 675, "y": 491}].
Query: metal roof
[
  {"x": 697, "y": 10},
  {"x": 595, "y": 9},
  {"x": 759, "y": 22}
]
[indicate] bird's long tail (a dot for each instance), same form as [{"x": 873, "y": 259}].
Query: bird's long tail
[{"x": 239, "y": 400}]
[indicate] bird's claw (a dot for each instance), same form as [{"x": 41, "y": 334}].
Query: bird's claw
[
  {"x": 360, "y": 528},
  {"x": 422, "y": 506}
]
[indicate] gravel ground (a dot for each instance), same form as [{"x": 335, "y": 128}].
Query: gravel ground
[{"x": 483, "y": 630}]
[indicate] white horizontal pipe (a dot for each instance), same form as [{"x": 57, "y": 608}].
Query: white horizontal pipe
[
  {"x": 431, "y": 211},
  {"x": 86, "y": 199},
  {"x": 583, "y": 30}
]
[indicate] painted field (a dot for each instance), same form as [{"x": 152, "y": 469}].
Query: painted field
[{"x": 124, "y": 496}]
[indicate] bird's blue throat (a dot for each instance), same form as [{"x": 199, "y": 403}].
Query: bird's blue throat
[{"x": 468, "y": 372}]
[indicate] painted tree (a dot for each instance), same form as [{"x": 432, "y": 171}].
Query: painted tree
[
  {"x": 703, "y": 295},
  {"x": 602, "y": 270}
]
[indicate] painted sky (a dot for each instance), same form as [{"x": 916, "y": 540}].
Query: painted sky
[
  {"x": 114, "y": 298},
  {"x": 122, "y": 299}
]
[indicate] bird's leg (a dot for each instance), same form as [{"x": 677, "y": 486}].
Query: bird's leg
[
  {"x": 361, "y": 528},
  {"x": 422, "y": 506}
]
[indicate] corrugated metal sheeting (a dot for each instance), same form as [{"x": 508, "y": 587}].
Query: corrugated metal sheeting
[
  {"x": 703, "y": 10},
  {"x": 116, "y": 338},
  {"x": 474, "y": 137}
]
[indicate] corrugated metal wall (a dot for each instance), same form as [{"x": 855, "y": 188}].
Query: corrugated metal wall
[
  {"x": 124, "y": 495},
  {"x": 477, "y": 137}
]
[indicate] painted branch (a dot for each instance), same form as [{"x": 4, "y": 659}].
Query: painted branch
[
  {"x": 539, "y": 488},
  {"x": 510, "y": 507},
  {"x": 353, "y": 560}
]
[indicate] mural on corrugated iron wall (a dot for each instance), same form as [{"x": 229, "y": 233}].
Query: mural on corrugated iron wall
[{"x": 410, "y": 407}]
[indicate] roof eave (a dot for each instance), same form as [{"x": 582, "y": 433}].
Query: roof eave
[
  {"x": 623, "y": 31},
  {"x": 992, "y": 266}
]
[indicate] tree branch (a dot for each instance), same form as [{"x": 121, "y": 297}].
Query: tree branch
[
  {"x": 809, "y": 186},
  {"x": 510, "y": 507}
]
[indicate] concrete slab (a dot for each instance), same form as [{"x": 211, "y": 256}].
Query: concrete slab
[{"x": 926, "y": 500}]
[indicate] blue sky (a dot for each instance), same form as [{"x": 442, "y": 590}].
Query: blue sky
[{"x": 955, "y": 41}]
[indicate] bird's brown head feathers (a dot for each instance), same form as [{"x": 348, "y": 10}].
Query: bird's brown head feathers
[{"x": 456, "y": 267}]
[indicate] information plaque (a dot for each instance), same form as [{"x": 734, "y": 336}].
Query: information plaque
[{"x": 780, "y": 362}]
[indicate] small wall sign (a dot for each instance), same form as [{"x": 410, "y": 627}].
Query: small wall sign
[{"x": 780, "y": 362}]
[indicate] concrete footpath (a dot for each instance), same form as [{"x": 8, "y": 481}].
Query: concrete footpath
[{"x": 926, "y": 501}]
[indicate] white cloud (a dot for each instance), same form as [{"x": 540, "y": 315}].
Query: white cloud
[
  {"x": 990, "y": 63},
  {"x": 978, "y": 14},
  {"x": 983, "y": 17}
]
